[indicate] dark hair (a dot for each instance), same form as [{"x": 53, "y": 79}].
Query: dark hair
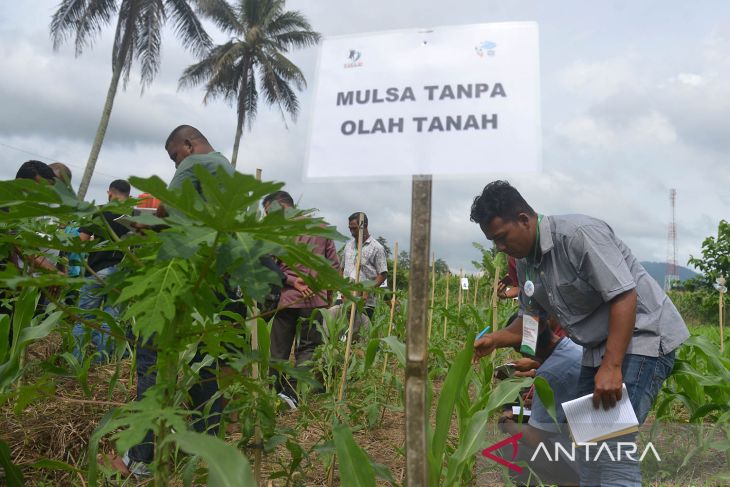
[
  {"x": 63, "y": 171},
  {"x": 121, "y": 186},
  {"x": 499, "y": 199},
  {"x": 281, "y": 196},
  {"x": 356, "y": 216},
  {"x": 33, "y": 169},
  {"x": 184, "y": 131}
]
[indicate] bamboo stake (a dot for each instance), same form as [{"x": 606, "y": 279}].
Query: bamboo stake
[
  {"x": 433, "y": 293},
  {"x": 476, "y": 289},
  {"x": 722, "y": 322},
  {"x": 348, "y": 347},
  {"x": 392, "y": 309},
  {"x": 353, "y": 307},
  {"x": 416, "y": 373},
  {"x": 461, "y": 292},
  {"x": 258, "y": 437},
  {"x": 446, "y": 317},
  {"x": 495, "y": 299}
]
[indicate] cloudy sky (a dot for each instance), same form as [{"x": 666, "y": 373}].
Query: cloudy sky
[{"x": 635, "y": 101}]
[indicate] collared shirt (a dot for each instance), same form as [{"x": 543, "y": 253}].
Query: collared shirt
[
  {"x": 373, "y": 262},
  {"x": 211, "y": 162},
  {"x": 289, "y": 295},
  {"x": 561, "y": 370},
  {"x": 580, "y": 268}
]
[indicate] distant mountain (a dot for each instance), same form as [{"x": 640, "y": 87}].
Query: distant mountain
[{"x": 657, "y": 270}]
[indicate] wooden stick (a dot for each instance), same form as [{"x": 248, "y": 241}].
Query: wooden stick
[
  {"x": 446, "y": 318},
  {"x": 258, "y": 437},
  {"x": 476, "y": 289},
  {"x": 348, "y": 348},
  {"x": 416, "y": 372},
  {"x": 433, "y": 293},
  {"x": 392, "y": 311},
  {"x": 461, "y": 292},
  {"x": 495, "y": 299},
  {"x": 722, "y": 321}
]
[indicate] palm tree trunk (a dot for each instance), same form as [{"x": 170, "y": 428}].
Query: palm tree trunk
[
  {"x": 237, "y": 141},
  {"x": 242, "y": 93},
  {"x": 100, "y": 131}
]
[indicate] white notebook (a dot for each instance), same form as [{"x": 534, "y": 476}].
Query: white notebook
[{"x": 590, "y": 425}]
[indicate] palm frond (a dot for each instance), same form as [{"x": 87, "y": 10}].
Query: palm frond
[
  {"x": 288, "y": 21},
  {"x": 149, "y": 39},
  {"x": 287, "y": 70},
  {"x": 298, "y": 39},
  {"x": 277, "y": 91},
  {"x": 124, "y": 38},
  {"x": 187, "y": 26},
  {"x": 84, "y": 18},
  {"x": 222, "y": 15}
]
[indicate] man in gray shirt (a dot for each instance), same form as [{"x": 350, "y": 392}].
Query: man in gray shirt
[{"x": 575, "y": 268}]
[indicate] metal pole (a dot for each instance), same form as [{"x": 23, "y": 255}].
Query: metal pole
[{"x": 416, "y": 334}]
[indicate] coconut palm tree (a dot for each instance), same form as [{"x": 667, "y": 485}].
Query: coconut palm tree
[
  {"x": 261, "y": 32},
  {"x": 138, "y": 36}
]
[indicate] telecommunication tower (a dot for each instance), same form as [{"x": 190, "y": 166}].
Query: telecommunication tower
[{"x": 671, "y": 276}]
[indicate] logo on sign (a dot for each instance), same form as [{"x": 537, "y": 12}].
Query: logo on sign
[
  {"x": 486, "y": 48},
  {"x": 353, "y": 59}
]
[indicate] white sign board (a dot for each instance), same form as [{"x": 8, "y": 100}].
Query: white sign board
[
  {"x": 448, "y": 100},
  {"x": 465, "y": 283}
]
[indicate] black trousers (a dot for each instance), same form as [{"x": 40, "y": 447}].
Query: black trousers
[{"x": 283, "y": 333}]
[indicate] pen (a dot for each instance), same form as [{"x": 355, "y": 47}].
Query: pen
[{"x": 481, "y": 334}]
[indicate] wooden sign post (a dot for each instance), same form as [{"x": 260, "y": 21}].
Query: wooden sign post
[
  {"x": 370, "y": 109},
  {"x": 416, "y": 339}
]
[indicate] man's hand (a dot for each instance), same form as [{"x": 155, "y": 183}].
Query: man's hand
[
  {"x": 608, "y": 386},
  {"x": 528, "y": 373},
  {"x": 525, "y": 364},
  {"x": 302, "y": 287},
  {"x": 161, "y": 211},
  {"x": 484, "y": 346},
  {"x": 506, "y": 292}
]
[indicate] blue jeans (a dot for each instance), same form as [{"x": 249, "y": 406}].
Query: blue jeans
[
  {"x": 643, "y": 377},
  {"x": 200, "y": 394},
  {"x": 89, "y": 298}
]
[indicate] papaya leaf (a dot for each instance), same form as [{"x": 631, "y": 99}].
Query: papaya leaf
[{"x": 227, "y": 466}]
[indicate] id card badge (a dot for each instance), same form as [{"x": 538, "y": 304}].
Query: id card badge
[{"x": 529, "y": 334}]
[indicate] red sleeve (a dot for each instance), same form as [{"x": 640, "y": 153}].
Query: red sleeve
[
  {"x": 330, "y": 252},
  {"x": 512, "y": 270}
]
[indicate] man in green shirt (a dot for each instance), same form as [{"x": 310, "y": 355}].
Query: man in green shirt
[{"x": 188, "y": 147}]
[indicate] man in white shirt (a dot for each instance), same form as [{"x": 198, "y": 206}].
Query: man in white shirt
[{"x": 373, "y": 266}]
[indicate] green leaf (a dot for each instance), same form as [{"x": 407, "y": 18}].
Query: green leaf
[
  {"x": 507, "y": 391},
  {"x": 355, "y": 467},
  {"x": 370, "y": 353},
  {"x": 49, "y": 464},
  {"x": 13, "y": 475},
  {"x": 453, "y": 385},
  {"x": 227, "y": 466},
  {"x": 546, "y": 395},
  {"x": 469, "y": 444},
  {"x": 397, "y": 348}
]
